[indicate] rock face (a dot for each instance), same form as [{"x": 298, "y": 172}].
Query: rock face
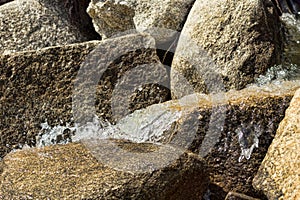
[
  {"x": 225, "y": 45},
  {"x": 29, "y": 25},
  {"x": 278, "y": 176},
  {"x": 232, "y": 131},
  {"x": 71, "y": 172},
  {"x": 112, "y": 16},
  {"x": 40, "y": 86}
]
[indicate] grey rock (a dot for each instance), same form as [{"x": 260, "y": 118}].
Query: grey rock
[
  {"x": 159, "y": 18},
  {"x": 29, "y": 25},
  {"x": 225, "y": 45},
  {"x": 46, "y": 86},
  {"x": 72, "y": 172},
  {"x": 278, "y": 175}
]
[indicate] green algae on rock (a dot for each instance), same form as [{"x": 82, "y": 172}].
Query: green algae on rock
[{"x": 71, "y": 172}]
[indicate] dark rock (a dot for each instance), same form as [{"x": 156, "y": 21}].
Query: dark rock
[
  {"x": 38, "y": 86},
  {"x": 72, "y": 172}
]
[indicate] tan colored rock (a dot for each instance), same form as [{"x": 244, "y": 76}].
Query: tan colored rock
[
  {"x": 231, "y": 131},
  {"x": 29, "y": 25},
  {"x": 53, "y": 85},
  {"x": 113, "y": 16},
  {"x": 279, "y": 174},
  {"x": 71, "y": 172},
  {"x": 225, "y": 45}
]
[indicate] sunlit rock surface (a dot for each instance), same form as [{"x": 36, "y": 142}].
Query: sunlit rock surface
[
  {"x": 238, "y": 196},
  {"x": 279, "y": 175},
  {"x": 29, "y": 25},
  {"x": 112, "y": 16},
  {"x": 225, "y": 45},
  {"x": 39, "y": 87},
  {"x": 232, "y": 131},
  {"x": 72, "y": 172}
]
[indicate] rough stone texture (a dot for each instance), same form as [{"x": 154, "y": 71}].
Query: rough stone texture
[
  {"x": 279, "y": 175},
  {"x": 218, "y": 127},
  {"x": 238, "y": 196},
  {"x": 225, "y": 45},
  {"x": 223, "y": 129},
  {"x": 113, "y": 16},
  {"x": 38, "y": 86},
  {"x": 71, "y": 172},
  {"x": 29, "y": 25}
]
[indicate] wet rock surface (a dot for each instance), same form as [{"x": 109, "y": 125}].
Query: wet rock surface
[
  {"x": 70, "y": 171},
  {"x": 232, "y": 132},
  {"x": 225, "y": 45},
  {"x": 278, "y": 175},
  {"x": 28, "y": 25},
  {"x": 38, "y": 86}
]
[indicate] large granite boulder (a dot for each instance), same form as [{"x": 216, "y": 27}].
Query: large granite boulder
[
  {"x": 72, "y": 172},
  {"x": 112, "y": 16},
  {"x": 278, "y": 176},
  {"x": 231, "y": 131},
  {"x": 30, "y": 25},
  {"x": 43, "y": 86},
  {"x": 225, "y": 45}
]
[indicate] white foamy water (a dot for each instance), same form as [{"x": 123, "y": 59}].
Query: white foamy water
[{"x": 147, "y": 125}]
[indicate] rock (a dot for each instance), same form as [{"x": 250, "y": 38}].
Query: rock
[
  {"x": 71, "y": 172},
  {"x": 225, "y": 45},
  {"x": 238, "y": 196},
  {"x": 43, "y": 88},
  {"x": 112, "y": 16},
  {"x": 278, "y": 175},
  {"x": 231, "y": 131},
  {"x": 29, "y": 25}
]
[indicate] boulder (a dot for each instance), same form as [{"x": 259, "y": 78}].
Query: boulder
[
  {"x": 72, "y": 172},
  {"x": 30, "y": 25},
  {"x": 160, "y": 18},
  {"x": 56, "y": 86},
  {"x": 225, "y": 45},
  {"x": 231, "y": 131},
  {"x": 278, "y": 175}
]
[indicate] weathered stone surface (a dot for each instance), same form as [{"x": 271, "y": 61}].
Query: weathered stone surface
[
  {"x": 279, "y": 175},
  {"x": 71, "y": 172},
  {"x": 30, "y": 25},
  {"x": 238, "y": 196},
  {"x": 113, "y": 16},
  {"x": 38, "y": 86},
  {"x": 225, "y": 45},
  {"x": 231, "y": 131}
]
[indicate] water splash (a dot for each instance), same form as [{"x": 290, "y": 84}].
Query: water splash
[
  {"x": 146, "y": 125},
  {"x": 248, "y": 139}
]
